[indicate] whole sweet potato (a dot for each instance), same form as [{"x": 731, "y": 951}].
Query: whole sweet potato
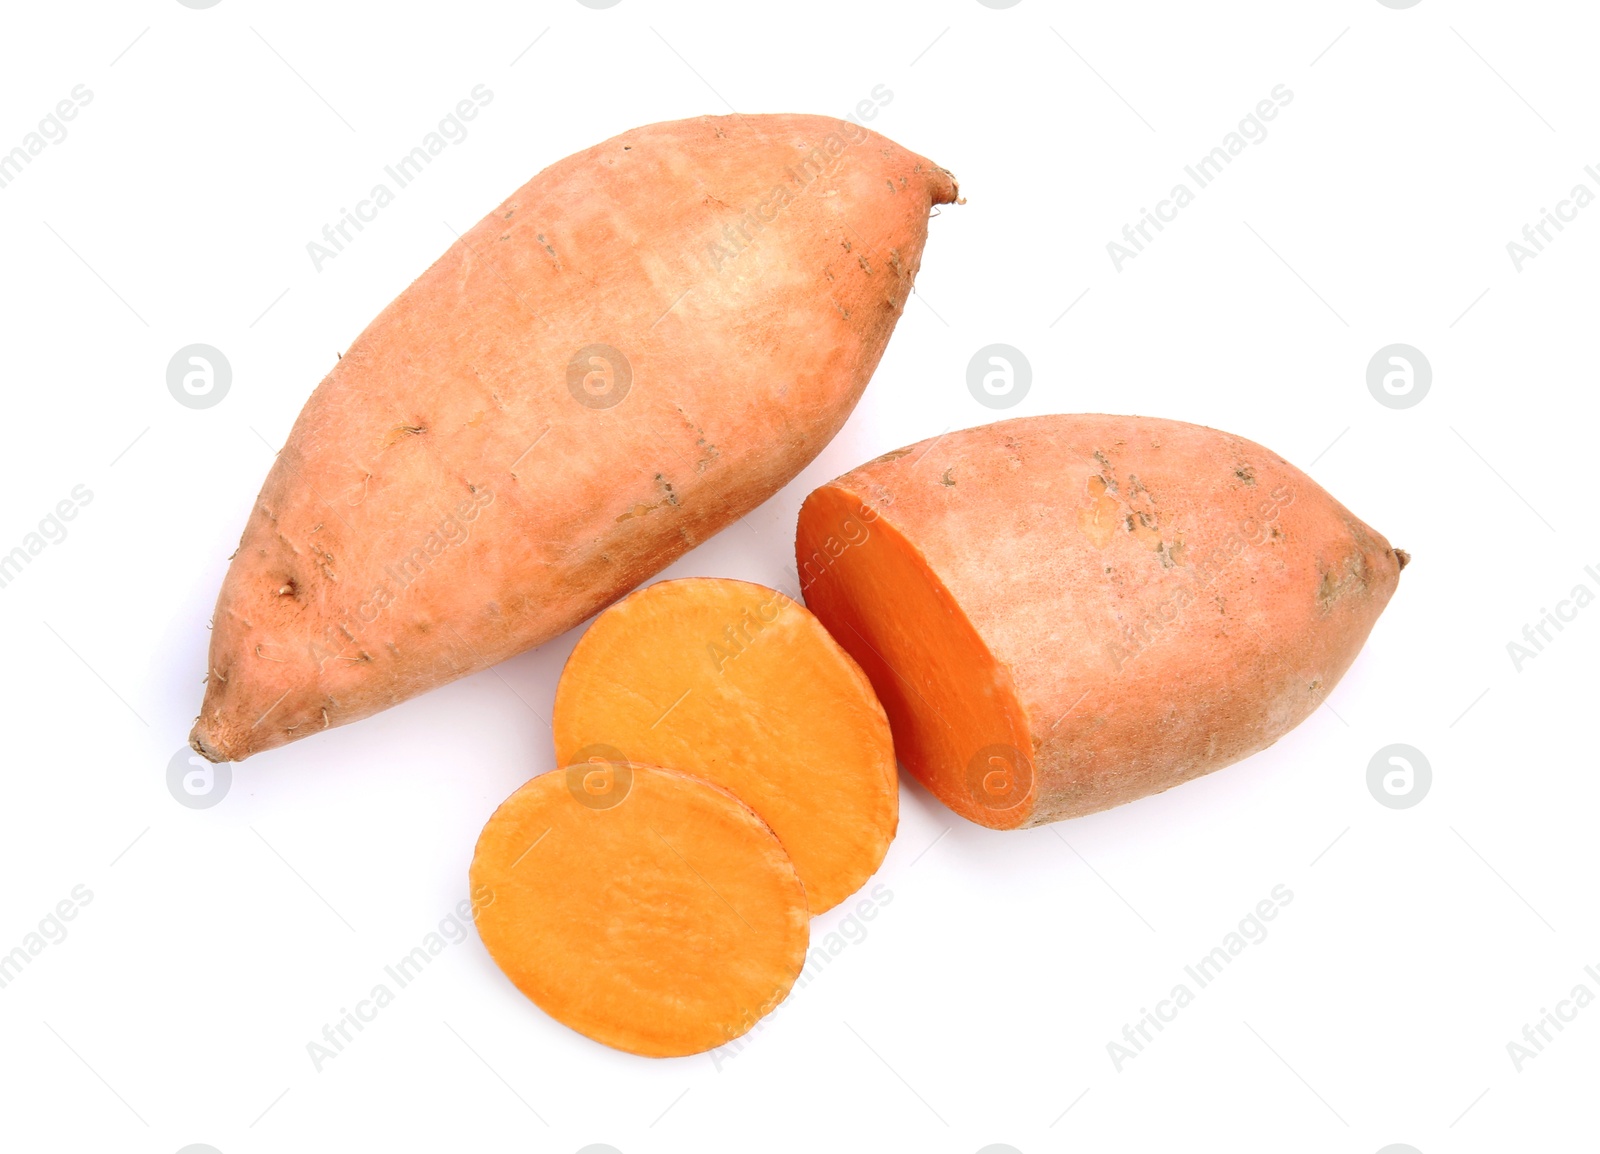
[
  {"x": 642, "y": 344},
  {"x": 1064, "y": 613}
]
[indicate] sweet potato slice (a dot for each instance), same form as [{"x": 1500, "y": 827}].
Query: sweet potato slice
[
  {"x": 642, "y": 907},
  {"x": 1065, "y": 613},
  {"x": 741, "y": 685}
]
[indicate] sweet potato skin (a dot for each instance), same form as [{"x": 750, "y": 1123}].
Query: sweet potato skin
[
  {"x": 639, "y": 346},
  {"x": 1159, "y": 599}
]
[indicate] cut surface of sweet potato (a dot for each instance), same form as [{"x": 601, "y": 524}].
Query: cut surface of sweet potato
[
  {"x": 957, "y": 716},
  {"x": 741, "y": 685},
  {"x": 644, "y": 908}
]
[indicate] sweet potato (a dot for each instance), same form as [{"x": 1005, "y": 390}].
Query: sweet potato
[
  {"x": 642, "y": 344},
  {"x": 651, "y": 911},
  {"x": 738, "y": 684},
  {"x": 1065, "y": 613}
]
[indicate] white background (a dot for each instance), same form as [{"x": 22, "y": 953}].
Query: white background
[{"x": 978, "y": 1007}]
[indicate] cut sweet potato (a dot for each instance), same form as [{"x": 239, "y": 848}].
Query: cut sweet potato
[
  {"x": 642, "y": 907},
  {"x": 642, "y": 344},
  {"x": 1064, "y": 613},
  {"x": 741, "y": 685}
]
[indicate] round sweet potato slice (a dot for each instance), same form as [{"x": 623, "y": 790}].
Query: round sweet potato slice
[
  {"x": 739, "y": 684},
  {"x": 644, "y": 908}
]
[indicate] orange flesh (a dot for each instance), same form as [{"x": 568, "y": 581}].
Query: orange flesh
[
  {"x": 740, "y": 685},
  {"x": 661, "y": 917},
  {"x": 958, "y": 727}
]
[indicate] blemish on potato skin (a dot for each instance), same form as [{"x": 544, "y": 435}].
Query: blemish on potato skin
[
  {"x": 1145, "y": 530},
  {"x": 1246, "y": 474},
  {"x": 1099, "y": 521},
  {"x": 639, "y": 510},
  {"x": 709, "y": 451},
  {"x": 947, "y": 479},
  {"x": 1108, "y": 475},
  {"x": 402, "y": 432},
  {"x": 1355, "y": 579}
]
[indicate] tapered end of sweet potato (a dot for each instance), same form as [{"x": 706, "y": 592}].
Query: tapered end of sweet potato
[
  {"x": 942, "y": 184},
  {"x": 203, "y": 743},
  {"x": 217, "y": 738}
]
